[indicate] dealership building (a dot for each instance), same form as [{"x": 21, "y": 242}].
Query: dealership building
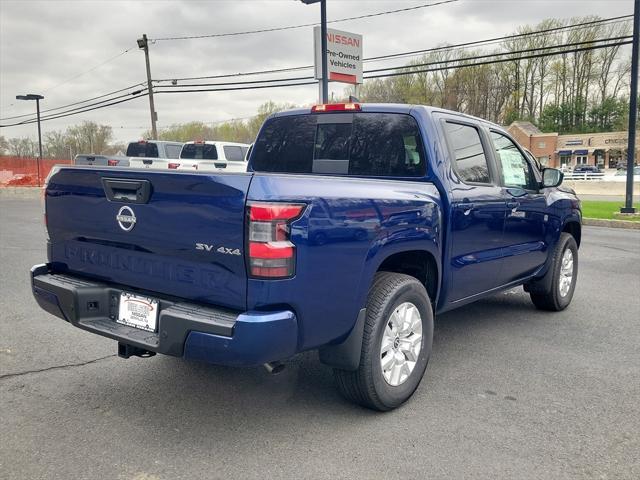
[{"x": 606, "y": 150}]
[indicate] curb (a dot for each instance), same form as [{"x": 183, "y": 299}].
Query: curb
[
  {"x": 601, "y": 222},
  {"x": 20, "y": 192}
]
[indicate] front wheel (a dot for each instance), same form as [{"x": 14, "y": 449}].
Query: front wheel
[
  {"x": 396, "y": 344},
  {"x": 564, "y": 272}
]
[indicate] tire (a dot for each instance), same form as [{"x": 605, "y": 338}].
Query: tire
[
  {"x": 558, "y": 297},
  {"x": 392, "y": 297}
]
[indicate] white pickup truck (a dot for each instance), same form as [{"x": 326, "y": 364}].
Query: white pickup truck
[
  {"x": 153, "y": 153},
  {"x": 142, "y": 153},
  {"x": 213, "y": 157}
]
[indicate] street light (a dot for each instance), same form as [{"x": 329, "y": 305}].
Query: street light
[
  {"x": 37, "y": 98},
  {"x": 323, "y": 34}
]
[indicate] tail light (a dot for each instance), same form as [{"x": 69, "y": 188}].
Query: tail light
[
  {"x": 336, "y": 107},
  {"x": 173, "y": 166},
  {"x": 271, "y": 253},
  {"x": 112, "y": 163},
  {"x": 43, "y": 197}
]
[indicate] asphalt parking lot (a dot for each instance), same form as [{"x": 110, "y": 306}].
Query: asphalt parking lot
[{"x": 510, "y": 392}]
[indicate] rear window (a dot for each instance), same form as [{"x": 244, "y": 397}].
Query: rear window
[
  {"x": 234, "y": 153},
  {"x": 172, "y": 151},
  {"x": 199, "y": 151},
  {"x": 142, "y": 149},
  {"x": 367, "y": 144}
]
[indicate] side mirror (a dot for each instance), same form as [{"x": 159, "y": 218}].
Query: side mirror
[{"x": 551, "y": 177}]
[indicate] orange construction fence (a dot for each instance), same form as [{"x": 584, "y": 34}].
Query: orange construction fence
[{"x": 22, "y": 171}]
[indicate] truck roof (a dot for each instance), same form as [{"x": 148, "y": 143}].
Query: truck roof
[{"x": 392, "y": 108}]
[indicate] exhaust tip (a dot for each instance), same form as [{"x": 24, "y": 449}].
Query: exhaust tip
[{"x": 274, "y": 368}]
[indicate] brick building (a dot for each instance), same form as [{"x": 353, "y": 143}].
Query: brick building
[{"x": 606, "y": 150}]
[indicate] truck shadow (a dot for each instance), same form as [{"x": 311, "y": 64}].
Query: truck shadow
[{"x": 172, "y": 395}]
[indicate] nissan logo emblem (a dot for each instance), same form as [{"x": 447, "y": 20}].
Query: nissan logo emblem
[{"x": 126, "y": 219}]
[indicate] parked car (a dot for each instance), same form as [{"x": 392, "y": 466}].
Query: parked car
[
  {"x": 621, "y": 175},
  {"x": 214, "y": 156},
  {"x": 586, "y": 169},
  {"x": 354, "y": 226}
]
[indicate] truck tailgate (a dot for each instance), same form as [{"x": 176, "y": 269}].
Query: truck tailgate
[{"x": 180, "y": 234}]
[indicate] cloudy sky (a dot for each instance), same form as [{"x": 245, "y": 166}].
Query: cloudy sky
[{"x": 60, "y": 48}]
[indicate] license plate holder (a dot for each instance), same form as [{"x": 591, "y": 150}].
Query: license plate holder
[{"x": 138, "y": 312}]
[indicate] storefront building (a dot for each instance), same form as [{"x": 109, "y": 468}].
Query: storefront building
[{"x": 605, "y": 150}]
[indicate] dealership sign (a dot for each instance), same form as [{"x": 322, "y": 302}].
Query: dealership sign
[{"x": 344, "y": 55}]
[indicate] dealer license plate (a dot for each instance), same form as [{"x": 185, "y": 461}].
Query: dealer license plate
[{"x": 138, "y": 312}]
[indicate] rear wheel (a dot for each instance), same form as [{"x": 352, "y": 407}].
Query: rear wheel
[
  {"x": 564, "y": 274},
  {"x": 396, "y": 344}
]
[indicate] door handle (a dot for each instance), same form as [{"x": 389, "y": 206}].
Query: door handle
[
  {"x": 466, "y": 207},
  {"x": 125, "y": 190}
]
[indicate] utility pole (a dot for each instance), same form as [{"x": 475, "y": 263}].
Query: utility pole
[
  {"x": 143, "y": 44},
  {"x": 633, "y": 110}
]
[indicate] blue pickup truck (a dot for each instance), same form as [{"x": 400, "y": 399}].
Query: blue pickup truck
[{"x": 354, "y": 226}]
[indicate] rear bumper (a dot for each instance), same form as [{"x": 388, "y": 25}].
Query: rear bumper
[{"x": 196, "y": 332}]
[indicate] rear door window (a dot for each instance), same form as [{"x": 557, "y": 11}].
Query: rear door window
[
  {"x": 199, "y": 151},
  {"x": 142, "y": 149},
  {"x": 365, "y": 144},
  {"x": 233, "y": 153},
  {"x": 470, "y": 160}
]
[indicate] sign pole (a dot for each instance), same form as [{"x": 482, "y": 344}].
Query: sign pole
[
  {"x": 633, "y": 110},
  {"x": 325, "y": 68}
]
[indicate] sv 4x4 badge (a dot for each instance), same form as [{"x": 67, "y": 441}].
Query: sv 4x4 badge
[{"x": 224, "y": 250}]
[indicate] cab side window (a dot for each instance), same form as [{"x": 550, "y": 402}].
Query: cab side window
[
  {"x": 471, "y": 162},
  {"x": 514, "y": 167}
]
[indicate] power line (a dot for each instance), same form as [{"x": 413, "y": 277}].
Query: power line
[
  {"x": 292, "y": 27},
  {"x": 311, "y": 82},
  {"x": 229, "y": 89},
  {"x": 500, "y": 54},
  {"x": 249, "y": 82},
  {"x": 537, "y": 33},
  {"x": 240, "y": 74},
  {"x": 90, "y": 70},
  {"x": 76, "y": 103},
  {"x": 502, "y": 60},
  {"x": 301, "y": 81},
  {"x": 576, "y": 26},
  {"x": 401, "y": 73},
  {"x": 397, "y": 55},
  {"x": 61, "y": 115},
  {"x": 453, "y": 60},
  {"x": 110, "y": 59}
]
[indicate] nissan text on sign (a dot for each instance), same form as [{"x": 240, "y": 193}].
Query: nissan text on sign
[{"x": 344, "y": 56}]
